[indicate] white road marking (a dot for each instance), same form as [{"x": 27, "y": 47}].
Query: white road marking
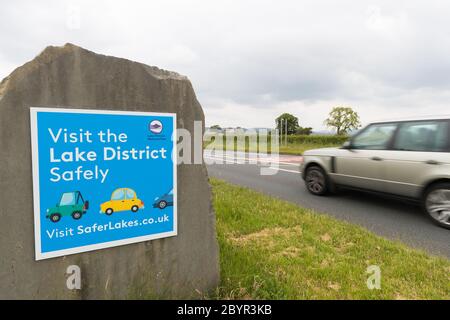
[
  {"x": 269, "y": 160},
  {"x": 234, "y": 161},
  {"x": 221, "y": 160},
  {"x": 294, "y": 171}
]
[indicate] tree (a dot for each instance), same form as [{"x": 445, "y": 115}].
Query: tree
[
  {"x": 343, "y": 120},
  {"x": 215, "y": 127},
  {"x": 292, "y": 123},
  {"x": 304, "y": 131}
]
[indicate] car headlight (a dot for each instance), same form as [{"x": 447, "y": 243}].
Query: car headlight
[
  {"x": 48, "y": 210},
  {"x": 156, "y": 198}
]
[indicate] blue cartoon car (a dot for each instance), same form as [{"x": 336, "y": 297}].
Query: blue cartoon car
[{"x": 164, "y": 201}]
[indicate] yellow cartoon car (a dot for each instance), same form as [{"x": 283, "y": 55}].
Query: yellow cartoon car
[{"x": 122, "y": 199}]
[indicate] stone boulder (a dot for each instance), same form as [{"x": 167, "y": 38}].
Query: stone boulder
[{"x": 185, "y": 266}]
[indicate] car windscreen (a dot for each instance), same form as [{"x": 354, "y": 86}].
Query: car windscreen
[
  {"x": 67, "y": 199},
  {"x": 118, "y": 195}
]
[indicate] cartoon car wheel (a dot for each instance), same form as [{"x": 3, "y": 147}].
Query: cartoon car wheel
[
  {"x": 109, "y": 211},
  {"x": 76, "y": 215},
  {"x": 134, "y": 208},
  {"x": 55, "y": 217},
  {"x": 162, "y": 204}
]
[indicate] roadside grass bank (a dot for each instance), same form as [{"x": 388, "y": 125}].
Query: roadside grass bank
[
  {"x": 272, "y": 249},
  {"x": 296, "y": 144}
]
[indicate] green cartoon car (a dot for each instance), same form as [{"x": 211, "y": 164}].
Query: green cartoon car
[{"x": 70, "y": 204}]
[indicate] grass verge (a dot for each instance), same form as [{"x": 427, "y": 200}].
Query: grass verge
[
  {"x": 272, "y": 249},
  {"x": 299, "y": 149}
]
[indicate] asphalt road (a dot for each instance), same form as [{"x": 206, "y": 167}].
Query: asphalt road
[{"x": 390, "y": 218}]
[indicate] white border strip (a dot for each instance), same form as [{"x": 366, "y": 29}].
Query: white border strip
[{"x": 36, "y": 192}]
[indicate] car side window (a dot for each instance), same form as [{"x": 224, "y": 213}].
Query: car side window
[
  {"x": 130, "y": 194},
  {"x": 374, "y": 137},
  {"x": 428, "y": 136},
  {"x": 118, "y": 195}
]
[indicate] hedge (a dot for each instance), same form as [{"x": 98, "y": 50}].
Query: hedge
[{"x": 310, "y": 139}]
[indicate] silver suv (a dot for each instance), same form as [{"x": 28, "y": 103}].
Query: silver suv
[{"x": 409, "y": 158}]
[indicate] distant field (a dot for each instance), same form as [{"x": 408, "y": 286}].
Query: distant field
[
  {"x": 296, "y": 144},
  {"x": 272, "y": 249}
]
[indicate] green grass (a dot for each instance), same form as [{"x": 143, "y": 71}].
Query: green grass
[
  {"x": 272, "y": 249},
  {"x": 296, "y": 144}
]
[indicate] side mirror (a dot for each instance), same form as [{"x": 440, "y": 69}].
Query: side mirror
[
  {"x": 86, "y": 205},
  {"x": 347, "y": 145}
]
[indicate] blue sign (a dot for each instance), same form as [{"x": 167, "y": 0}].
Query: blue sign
[{"x": 102, "y": 179}]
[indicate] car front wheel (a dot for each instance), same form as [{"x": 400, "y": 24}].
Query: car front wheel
[
  {"x": 134, "y": 208},
  {"x": 162, "y": 204},
  {"x": 316, "y": 181},
  {"x": 109, "y": 211},
  {"x": 437, "y": 204},
  {"x": 55, "y": 217}
]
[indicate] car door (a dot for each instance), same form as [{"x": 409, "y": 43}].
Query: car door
[
  {"x": 420, "y": 154},
  {"x": 130, "y": 199},
  {"x": 67, "y": 203},
  {"x": 361, "y": 165},
  {"x": 118, "y": 200},
  {"x": 80, "y": 201}
]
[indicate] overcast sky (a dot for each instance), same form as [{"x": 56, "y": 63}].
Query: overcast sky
[{"x": 249, "y": 61}]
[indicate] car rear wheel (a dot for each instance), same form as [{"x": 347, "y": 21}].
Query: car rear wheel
[
  {"x": 162, "y": 204},
  {"x": 134, "y": 208},
  {"x": 77, "y": 215},
  {"x": 316, "y": 181},
  {"x": 55, "y": 217},
  {"x": 109, "y": 211},
  {"x": 437, "y": 204}
]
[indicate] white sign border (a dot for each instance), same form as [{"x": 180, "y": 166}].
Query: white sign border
[{"x": 39, "y": 255}]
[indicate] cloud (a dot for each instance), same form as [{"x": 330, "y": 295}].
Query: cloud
[{"x": 260, "y": 58}]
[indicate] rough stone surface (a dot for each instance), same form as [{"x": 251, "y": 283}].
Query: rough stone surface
[{"x": 185, "y": 266}]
